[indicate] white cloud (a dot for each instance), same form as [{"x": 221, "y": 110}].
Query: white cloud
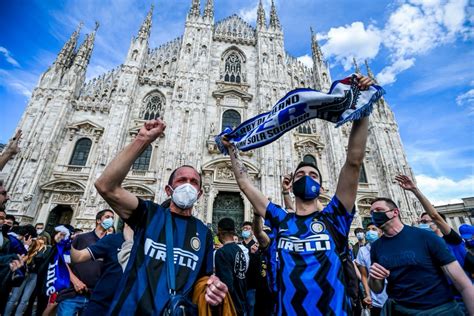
[
  {"x": 250, "y": 14},
  {"x": 443, "y": 190},
  {"x": 8, "y": 57},
  {"x": 415, "y": 27},
  {"x": 21, "y": 82},
  {"x": 306, "y": 60},
  {"x": 467, "y": 99},
  {"x": 352, "y": 41}
]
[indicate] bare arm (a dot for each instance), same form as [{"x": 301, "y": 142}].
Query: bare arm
[
  {"x": 78, "y": 256},
  {"x": 10, "y": 150},
  {"x": 462, "y": 283},
  {"x": 349, "y": 177},
  {"x": 407, "y": 184},
  {"x": 258, "y": 200},
  {"x": 109, "y": 184},
  {"x": 262, "y": 237},
  {"x": 365, "y": 282}
]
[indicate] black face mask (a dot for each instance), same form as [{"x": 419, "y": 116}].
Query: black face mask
[
  {"x": 306, "y": 188},
  {"x": 380, "y": 218}
]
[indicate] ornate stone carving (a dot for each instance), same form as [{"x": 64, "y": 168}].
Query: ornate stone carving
[
  {"x": 67, "y": 198},
  {"x": 225, "y": 173},
  {"x": 235, "y": 30}
]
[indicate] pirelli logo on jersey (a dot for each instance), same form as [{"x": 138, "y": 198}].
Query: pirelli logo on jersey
[
  {"x": 182, "y": 257},
  {"x": 312, "y": 243}
]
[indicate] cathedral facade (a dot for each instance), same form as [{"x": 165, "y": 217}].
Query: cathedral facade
[{"x": 216, "y": 74}]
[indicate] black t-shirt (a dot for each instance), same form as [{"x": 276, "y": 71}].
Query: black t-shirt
[
  {"x": 452, "y": 238},
  {"x": 414, "y": 258},
  {"x": 253, "y": 271},
  {"x": 230, "y": 268},
  {"x": 88, "y": 272},
  {"x": 105, "y": 249}
]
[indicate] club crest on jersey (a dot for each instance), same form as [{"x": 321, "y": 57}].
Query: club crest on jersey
[
  {"x": 317, "y": 227},
  {"x": 195, "y": 243}
]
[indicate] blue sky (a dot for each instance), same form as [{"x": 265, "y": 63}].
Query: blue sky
[{"x": 420, "y": 50}]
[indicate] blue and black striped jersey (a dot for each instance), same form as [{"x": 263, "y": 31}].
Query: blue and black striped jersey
[
  {"x": 310, "y": 275},
  {"x": 143, "y": 289}
]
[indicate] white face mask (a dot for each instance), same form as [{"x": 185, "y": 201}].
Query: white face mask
[
  {"x": 360, "y": 236},
  {"x": 184, "y": 196},
  {"x": 39, "y": 231}
]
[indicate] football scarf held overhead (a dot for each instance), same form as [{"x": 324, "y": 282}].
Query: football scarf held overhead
[{"x": 344, "y": 102}]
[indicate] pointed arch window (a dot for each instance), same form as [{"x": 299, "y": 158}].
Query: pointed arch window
[
  {"x": 310, "y": 159},
  {"x": 153, "y": 106},
  {"x": 230, "y": 118},
  {"x": 362, "y": 175},
  {"x": 233, "y": 68},
  {"x": 81, "y": 152},
  {"x": 143, "y": 161}
]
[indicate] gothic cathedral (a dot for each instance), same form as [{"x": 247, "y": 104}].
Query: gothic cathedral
[{"x": 214, "y": 75}]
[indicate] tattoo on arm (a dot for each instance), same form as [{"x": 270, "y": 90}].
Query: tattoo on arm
[{"x": 240, "y": 164}]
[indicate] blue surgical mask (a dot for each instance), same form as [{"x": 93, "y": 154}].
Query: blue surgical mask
[
  {"x": 306, "y": 188},
  {"x": 425, "y": 226},
  {"x": 246, "y": 234},
  {"x": 107, "y": 223},
  {"x": 371, "y": 236}
]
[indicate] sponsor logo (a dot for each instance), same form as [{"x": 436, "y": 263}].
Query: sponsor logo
[
  {"x": 182, "y": 257},
  {"x": 313, "y": 243}
]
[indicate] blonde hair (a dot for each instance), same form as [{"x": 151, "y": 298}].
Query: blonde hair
[{"x": 36, "y": 246}]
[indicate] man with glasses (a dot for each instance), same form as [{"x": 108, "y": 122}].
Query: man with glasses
[{"x": 413, "y": 261}]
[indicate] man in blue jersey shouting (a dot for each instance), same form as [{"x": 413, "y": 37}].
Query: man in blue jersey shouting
[
  {"x": 310, "y": 278},
  {"x": 144, "y": 288}
]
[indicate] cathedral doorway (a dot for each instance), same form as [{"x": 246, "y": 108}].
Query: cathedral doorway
[
  {"x": 60, "y": 215},
  {"x": 228, "y": 204}
]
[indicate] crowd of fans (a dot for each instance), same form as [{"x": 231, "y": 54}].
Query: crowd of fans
[{"x": 294, "y": 259}]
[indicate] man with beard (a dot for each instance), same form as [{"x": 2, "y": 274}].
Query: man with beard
[{"x": 311, "y": 277}]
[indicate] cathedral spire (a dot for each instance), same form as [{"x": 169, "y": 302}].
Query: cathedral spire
[
  {"x": 66, "y": 54},
  {"x": 84, "y": 52},
  {"x": 315, "y": 49},
  {"x": 195, "y": 9},
  {"x": 356, "y": 67},
  {"x": 144, "y": 31},
  {"x": 209, "y": 10},
  {"x": 369, "y": 72},
  {"x": 274, "y": 21},
  {"x": 261, "y": 21}
]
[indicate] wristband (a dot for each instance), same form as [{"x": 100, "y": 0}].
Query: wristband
[{"x": 285, "y": 192}]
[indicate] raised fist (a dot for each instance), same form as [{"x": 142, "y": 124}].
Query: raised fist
[{"x": 151, "y": 130}]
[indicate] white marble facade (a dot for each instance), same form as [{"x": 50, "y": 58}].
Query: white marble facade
[{"x": 213, "y": 72}]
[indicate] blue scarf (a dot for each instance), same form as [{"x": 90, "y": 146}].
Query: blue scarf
[
  {"x": 57, "y": 277},
  {"x": 344, "y": 102}
]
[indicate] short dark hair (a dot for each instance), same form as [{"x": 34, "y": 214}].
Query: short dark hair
[
  {"x": 26, "y": 230},
  {"x": 3, "y": 211},
  {"x": 246, "y": 223},
  {"x": 101, "y": 213},
  {"x": 424, "y": 213},
  {"x": 39, "y": 224},
  {"x": 308, "y": 164},
  {"x": 359, "y": 230},
  {"x": 440, "y": 214},
  {"x": 173, "y": 174},
  {"x": 9, "y": 216},
  {"x": 226, "y": 225},
  {"x": 77, "y": 230},
  {"x": 370, "y": 224},
  {"x": 388, "y": 201}
]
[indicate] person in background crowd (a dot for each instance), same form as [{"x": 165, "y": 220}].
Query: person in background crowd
[
  {"x": 230, "y": 264},
  {"x": 21, "y": 295},
  {"x": 360, "y": 235},
  {"x": 85, "y": 275},
  {"x": 372, "y": 300},
  {"x": 41, "y": 232},
  {"x": 3, "y": 214},
  {"x": 10, "y": 150},
  {"x": 254, "y": 266},
  {"x": 140, "y": 289},
  {"x": 467, "y": 233},
  {"x": 413, "y": 260},
  {"x": 107, "y": 250},
  {"x": 9, "y": 220}
]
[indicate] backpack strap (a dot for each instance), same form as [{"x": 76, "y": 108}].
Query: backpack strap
[{"x": 170, "y": 253}]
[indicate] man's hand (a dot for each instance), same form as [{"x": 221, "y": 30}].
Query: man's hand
[
  {"x": 254, "y": 248},
  {"x": 215, "y": 291},
  {"x": 405, "y": 182},
  {"x": 225, "y": 141},
  {"x": 364, "y": 82},
  {"x": 12, "y": 147},
  {"x": 286, "y": 182},
  {"x": 378, "y": 272},
  {"x": 17, "y": 263},
  {"x": 79, "y": 286},
  {"x": 367, "y": 301},
  {"x": 151, "y": 130}
]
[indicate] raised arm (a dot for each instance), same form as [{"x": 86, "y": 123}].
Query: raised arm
[
  {"x": 10, "y": 150},
  {"x": 349, "y": 177},
  {"x": 256, "y": 198},
  {"x": 407, "y": 184},
  {"x": 285, "y": 191},
  {"x": 462, "y": 283},
  {"x": 109, "y": 183},
  {"x": 257, "y": 227}
]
